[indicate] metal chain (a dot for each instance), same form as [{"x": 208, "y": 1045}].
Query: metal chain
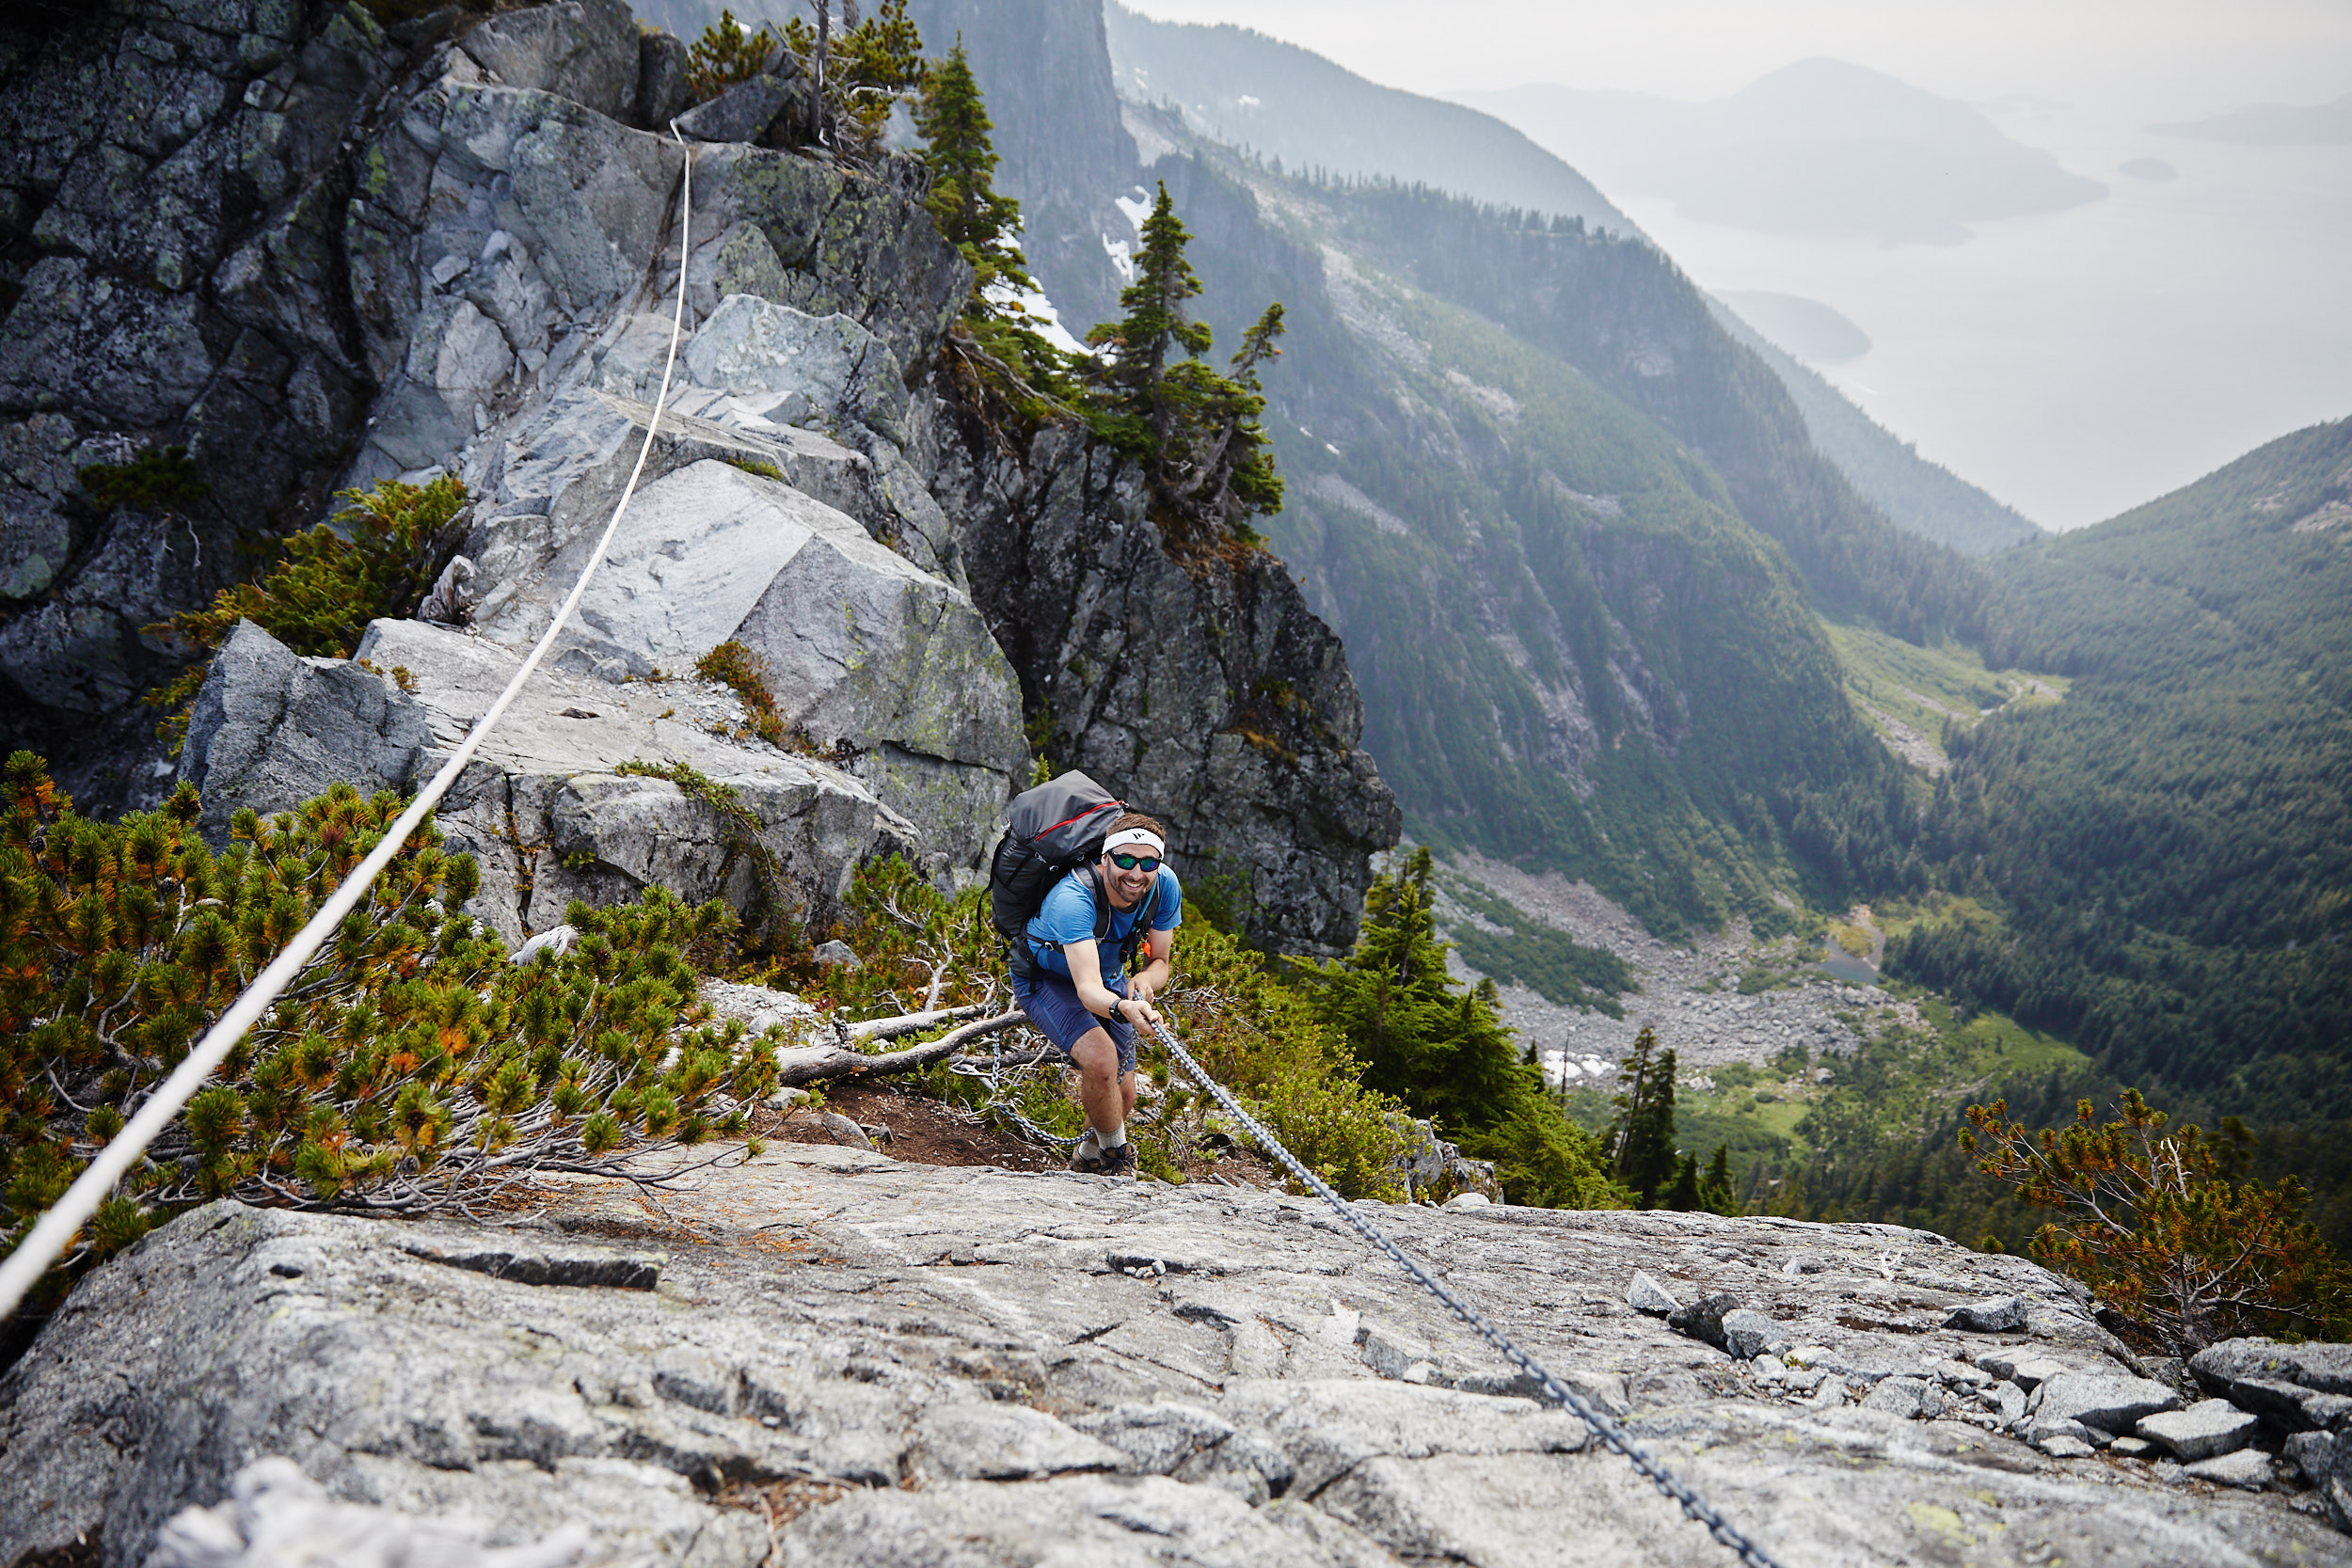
[{"x": 1611, "y": 1435}]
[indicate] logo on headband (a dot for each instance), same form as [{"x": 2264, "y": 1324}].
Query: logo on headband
[{"x": 1129, "y": 837}]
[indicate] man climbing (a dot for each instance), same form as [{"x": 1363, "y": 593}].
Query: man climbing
[{"x": 1083, "y": 997}]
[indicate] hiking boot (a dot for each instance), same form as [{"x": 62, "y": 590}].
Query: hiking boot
[
  {"x": 1087, "y": 1159},
  {"x": 1118, "y": 1162}
]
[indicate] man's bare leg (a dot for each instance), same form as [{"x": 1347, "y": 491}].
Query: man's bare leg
[{"x": 1109, "y": 1099}]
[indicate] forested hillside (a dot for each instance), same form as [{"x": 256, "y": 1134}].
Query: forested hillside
[
  {"x": 2171, "y": 847},
  {"x": 1623, "y": 315},
  {"x": 1240, "y": 87},
  {"x": 1925, "y": 498},
  {"x": 1575, "y": 650}
]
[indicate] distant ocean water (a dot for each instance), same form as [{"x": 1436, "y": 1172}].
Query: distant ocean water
[{"x": 2079, "y": 363}]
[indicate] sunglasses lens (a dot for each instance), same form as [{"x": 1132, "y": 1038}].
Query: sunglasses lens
[{"x": 1136, "y": 863}]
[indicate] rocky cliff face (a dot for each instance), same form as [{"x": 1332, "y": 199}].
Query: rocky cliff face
[
  {"x": 371, "y": 255},
  {"x": 823, "y": 1357},
  {"x": 1207, "y": 688},
  {"x": 172, "y": 204}
]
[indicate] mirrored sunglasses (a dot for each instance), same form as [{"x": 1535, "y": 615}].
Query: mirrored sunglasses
[{"x": 1136, "y": 863}]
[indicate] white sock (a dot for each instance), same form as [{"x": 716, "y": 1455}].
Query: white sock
[{"x": 1113, "y": 1138}]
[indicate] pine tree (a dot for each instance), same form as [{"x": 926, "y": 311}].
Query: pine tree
[
  {"x": 855, "y": 74},
  {"x": 1717, "y": 1193},
  {"x": 1444, "y": 1050},
  {"x": 1683, "y": 1195},
  {"x": 1643, "y": 1140},
  {"x": 1193, "y": 428},
  {"x": 1016, "y": 367},
  {"x": 964, "y": 200}
]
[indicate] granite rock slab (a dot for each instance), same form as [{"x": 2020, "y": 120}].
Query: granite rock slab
[{"x": 827, "y": 1325}]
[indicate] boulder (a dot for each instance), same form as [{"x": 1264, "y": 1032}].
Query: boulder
[
  {"x": 1647, "y": 1295},
  {"x": 2001, "y": 1315},
  {"x": 740, "y": 114},
  {"x": 2029, "y": 1370},
  {"x": 749, "y": 346},
  {"x": 1910, "y": 1397},
  {"x": 662, "y": 93},
  {"x": 2111, "y": 1402},
  {"x": 1749, "y": 1334},
  {"x": 2249, "y": 1469},
  {"x": 1703, "y": 1319},
  {"x": 584, "y": 50},
  {"x": 2313, "y": 1455},
  {"x": 541, "y": 807},
  {"x": 2042, "y": 1432},
  {"x": 867, "y": 656},
  {"x": 2274, "y": 1380},
  {"x": 2207, "y": 1428}
]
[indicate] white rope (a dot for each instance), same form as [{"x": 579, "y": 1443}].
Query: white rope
[{"x": 55, "y": 1231}]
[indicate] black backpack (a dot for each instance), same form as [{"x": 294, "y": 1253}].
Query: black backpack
[{"x": 1057, "y": 828}]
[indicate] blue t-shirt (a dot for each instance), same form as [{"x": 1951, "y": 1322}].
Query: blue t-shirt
[{"x": 1068, "y": 915}]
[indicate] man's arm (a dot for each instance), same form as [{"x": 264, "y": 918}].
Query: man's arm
[
  {"x": 1085, "y": 975},
  {"x": 1161, "y": 946}
]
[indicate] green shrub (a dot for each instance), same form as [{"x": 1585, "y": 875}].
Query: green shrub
[
  {"x": 320, "y": 589},
  {"x": 1445, "y": 1051},
  {"x": 158, "y": 480},
  {"x": 744, "y": 672},
  {"x": 411, "y": 1068},
  {"x": 726, "y": 53}
]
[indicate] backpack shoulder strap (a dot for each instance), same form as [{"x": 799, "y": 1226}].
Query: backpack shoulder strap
[{"x": 1101, "y": 903}]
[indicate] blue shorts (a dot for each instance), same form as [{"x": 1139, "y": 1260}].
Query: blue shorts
[{"x": 1052, "y": 1004}]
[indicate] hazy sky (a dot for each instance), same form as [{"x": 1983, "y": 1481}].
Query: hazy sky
[
  {"x": 2074, "y": 364},
  {"x": 2161, "y": 59}
]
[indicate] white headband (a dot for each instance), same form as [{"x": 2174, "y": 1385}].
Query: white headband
[{"x": 1144, "y": 836}]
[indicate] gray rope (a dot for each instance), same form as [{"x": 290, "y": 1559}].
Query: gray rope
[{"x": 1611, "y": 1435}]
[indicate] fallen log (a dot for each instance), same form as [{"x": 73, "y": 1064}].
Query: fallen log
[{"x": 820, "y": 1063}]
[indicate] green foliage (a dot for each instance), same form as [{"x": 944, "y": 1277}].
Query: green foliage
[
  {"x": 863, "y": 71},
  {"x": 158, "y": 480},
  {"x": 411, "y": 1067},
  {"x": 1254, "y": 1031},
  {"x": 319, "y": 594},
  {"x": 972, "y": 216},
  {"x": 1011, "y": 366},
  {"x": 1716, "y": 1192},
  {"x": 2154, "y": 1224},
  {"x": 2167, "y": 850},
  {"x": 1542, "y": 958},
  {"x": 1444, "y": 1051},
  {"x": 757, "y": 466},
  {"x": 1194, "y": 430},
  {"x": 725, "y": 55},
  {"x": 1641, "y": 1142},
  {"x": 744, "y": 672}
]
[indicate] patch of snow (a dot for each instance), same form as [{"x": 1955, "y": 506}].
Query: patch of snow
[
  {"x": 1137, "y": 207},
  {"x": 1247, "y": 100},
  {"x": 1040, "y": 313},
  {"x": 1122, "y": 258}
]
